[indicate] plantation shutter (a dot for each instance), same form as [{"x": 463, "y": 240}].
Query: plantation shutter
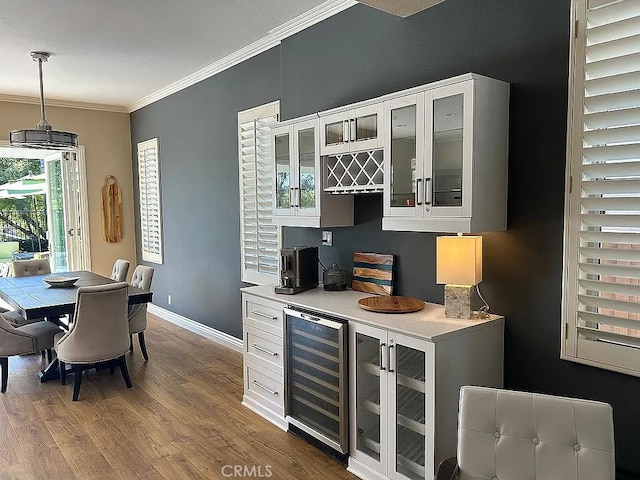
[
  {"x": 260, "y": 239},
  {"x": 603, "y": 251},
  {"x": 150, "y": 212}
]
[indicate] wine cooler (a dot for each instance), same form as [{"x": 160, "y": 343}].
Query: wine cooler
[{"x": 316, "y": 376}]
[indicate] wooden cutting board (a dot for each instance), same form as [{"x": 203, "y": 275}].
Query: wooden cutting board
[
  {"x": 373, "y": 273},
  {"x": 391, "y": 304}
]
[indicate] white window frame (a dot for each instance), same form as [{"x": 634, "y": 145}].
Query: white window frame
[
  {"x": 606, "y": 353},
  {"x": 147, "y": 220},
  {"x": 256, "y": 275}
]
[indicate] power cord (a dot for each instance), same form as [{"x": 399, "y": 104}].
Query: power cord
[
  {"x": 484, "y": 310},
  {"x": 317, "y": 246}
]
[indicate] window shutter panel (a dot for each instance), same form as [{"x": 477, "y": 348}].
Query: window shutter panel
[
  {"x": 260, "y": 238},
  {"x": 605, "y": 284},
  {"x": 150, "y": 212}
]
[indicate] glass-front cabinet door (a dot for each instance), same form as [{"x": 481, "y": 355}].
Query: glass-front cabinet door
[
  {"x": 283, "y": 184},
  {"x": 368, "y": 384},
  {"x": 450, "y": 133},
  {"x": 307, "y": 162},
  {"x": 411, "y": 447},
  {"x": 353, "y": 130},
  {"x": 404, "y": 152}
]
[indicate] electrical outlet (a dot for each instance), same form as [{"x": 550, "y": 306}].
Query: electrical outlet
[
  {"x": 169, "y": 299},
  {"x": 327, "y": 238}
]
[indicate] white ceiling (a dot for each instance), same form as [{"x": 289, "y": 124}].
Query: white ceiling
[{"x": 116, "y": 52}]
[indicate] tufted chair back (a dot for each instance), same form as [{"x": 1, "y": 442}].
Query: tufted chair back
[
  {"x": 99, "y": 331},
  {"x": 26, "y": 268},
  {"x": 142, "y": 277},
  {"x": 120, "y": 270},
  {"x": 510, "y": 435}
]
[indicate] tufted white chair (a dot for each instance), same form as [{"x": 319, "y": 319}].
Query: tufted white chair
[
  {"x": 26, "y": 268},
  {"x": 99, "y": 334},
  {"x": 27, "y": 339},
  {"x": 120, "y": 270},
  {"x": 507, "y": 435},
  {"x": 142, "y": 277}
]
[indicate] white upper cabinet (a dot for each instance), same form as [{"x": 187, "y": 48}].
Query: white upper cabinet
[
  {"x": 351, "y": 130},
  {"x": 298, "y": 197},
  {"x": 446, "y": 157}
]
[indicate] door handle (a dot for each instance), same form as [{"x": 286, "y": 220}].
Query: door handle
[
  {"x": 382, "y": 367},
  {"x": 418, "y": 185},
  {"x": 345, "y": 131},
  {"x": 392, "y": 355},
  {"x": 70, "y": 232},
  {"x": 352, "y": 130},
  {"x": 427, "y": 191}
]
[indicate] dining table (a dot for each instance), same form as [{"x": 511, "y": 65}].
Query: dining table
[{"x": 33, "y": 298}]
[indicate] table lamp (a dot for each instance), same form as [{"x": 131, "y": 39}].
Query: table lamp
[{"x": 459, "y": 267}]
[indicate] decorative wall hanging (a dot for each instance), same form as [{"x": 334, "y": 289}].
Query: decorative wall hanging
[{"x": 111, "y": 210}]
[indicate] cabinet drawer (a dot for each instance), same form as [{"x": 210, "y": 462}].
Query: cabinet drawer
[
  {"x": 263, "y": 348},
  {"x": 263, "y": 314},
  {"x": 264, "y": 386}
]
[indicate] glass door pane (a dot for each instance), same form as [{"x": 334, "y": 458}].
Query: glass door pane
[
  {"x": 410, "y": 412},
  {"x": 307, "y": 167},
  {"x": 55, "y": 215},
  {"x": 283, "y": 171},
  {"x": 334, "y": 133},
  {"x": 448, "y": 132},
  {"x": 366, "y": 127},
  {"x": 368, "y": 395},
  {"x": 403, "y": 156}
]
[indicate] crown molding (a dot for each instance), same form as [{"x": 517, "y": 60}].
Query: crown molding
[
  {"x": 272, "y": 39},
  {"x": 63, "y": 103}
]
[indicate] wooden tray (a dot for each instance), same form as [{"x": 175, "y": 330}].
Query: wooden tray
[{"x": 391, "y": 304}]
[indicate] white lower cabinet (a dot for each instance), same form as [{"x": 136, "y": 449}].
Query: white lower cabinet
[
  {"x": 391, "y": 378},
  {"x": 404, "y": 397},
  {"x": 263, "y": 358}
]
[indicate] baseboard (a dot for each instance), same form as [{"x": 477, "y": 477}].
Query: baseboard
[
  {"x": 265, "y": 413},
  {"x": 217, "y": 336}
]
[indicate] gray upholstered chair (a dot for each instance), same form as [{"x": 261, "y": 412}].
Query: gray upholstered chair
[
  {"x": 25, "y": 268},
  {"x": 120, "y": 270},
  {"x": 514, "y": 435},
  {"x": 142, "y": 277},
  {"x": 99, "y": 334},
  {"x": 30, "y": 338}
]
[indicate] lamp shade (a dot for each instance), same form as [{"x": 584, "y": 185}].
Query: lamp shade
[{"x": 459, "y": 260}]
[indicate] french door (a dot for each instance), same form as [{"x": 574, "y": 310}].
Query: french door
[{"x": 67, "y": 214}]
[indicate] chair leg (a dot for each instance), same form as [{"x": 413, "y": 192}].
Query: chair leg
[
  {"x": 49, "y": 355},
  {"x": 63, "y": 372},
  {"x": 4, "y": 365},
  {"x": 77, "y": 372},
  {"x": 125, "y": 373},
  {"x": 131, "y": 343},
  {"x": 143, "y": 345}
]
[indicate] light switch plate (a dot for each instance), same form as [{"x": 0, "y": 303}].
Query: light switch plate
[{"x": 327, "y": 238}]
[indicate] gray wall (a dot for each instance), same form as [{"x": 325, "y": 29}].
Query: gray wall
[{"x": 523, "y": 42}]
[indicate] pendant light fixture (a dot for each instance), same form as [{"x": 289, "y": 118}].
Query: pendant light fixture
[{"x": 44, "y": 136}]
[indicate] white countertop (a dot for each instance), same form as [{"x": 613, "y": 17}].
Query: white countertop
[{"x": 429, "y": 323}]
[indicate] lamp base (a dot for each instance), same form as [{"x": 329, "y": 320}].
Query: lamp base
[{"x": 457, "y": 301}]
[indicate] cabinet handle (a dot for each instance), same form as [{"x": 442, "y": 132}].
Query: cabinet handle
[
  {"x": 418, "y": 185},
  {"x": 259, "y": 348},
  {"x": 427, "y": 191},
  {"x": 264, "y": 315},
  {"x": 352, "y": 133},
  {"x": 382, "y": 367},
  {"x": 392, "y": 355},
  {"x": 345, "y": 131},
  {"x": 297, "y": 195},
  {"x": 272, "y": 392}
]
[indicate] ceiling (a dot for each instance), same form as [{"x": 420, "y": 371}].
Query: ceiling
[{"x": 118, "y": 51}]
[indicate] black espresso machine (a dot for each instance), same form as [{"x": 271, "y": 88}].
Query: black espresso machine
[{"x": 298, "y": 269}]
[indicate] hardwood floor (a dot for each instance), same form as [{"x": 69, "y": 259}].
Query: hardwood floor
[{"x": 181, "y": 420}]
